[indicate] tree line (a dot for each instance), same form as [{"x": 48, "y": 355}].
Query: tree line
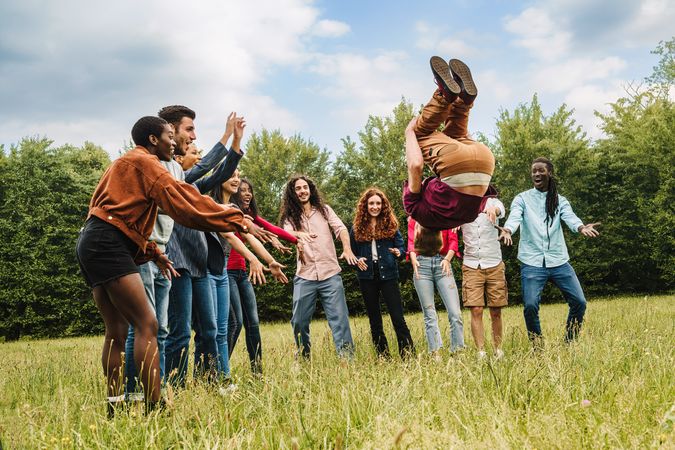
[{"x": 626, "y": 180}]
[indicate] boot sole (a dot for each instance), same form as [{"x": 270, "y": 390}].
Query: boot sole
[
  {"x": 442, "y": 73},
  {"x": 464, "y": 74}
]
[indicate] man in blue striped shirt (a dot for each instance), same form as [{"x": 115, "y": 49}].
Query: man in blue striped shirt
[{"x": 542, "y": 251}]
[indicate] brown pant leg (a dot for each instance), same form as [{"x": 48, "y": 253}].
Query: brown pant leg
[
  {"x": 434, "y": 113},
  {"x": 457, "y": 123},
  {"x": 450, "y": 152}
]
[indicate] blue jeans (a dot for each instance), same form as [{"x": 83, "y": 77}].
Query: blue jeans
[
  {"x": 157, "y": 290},
  {"x": 431, "y": 278},
  {"x": 220, "y": 293},
  {"x": 244, "y": 311},
  {"x": 190, "y": 303},
  {"x": 332, "y": 294},
  {"x": 534, "y": 279}
]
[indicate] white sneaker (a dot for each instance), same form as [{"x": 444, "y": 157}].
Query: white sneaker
[
  {"x": 499, "y": 354},
  {"x": 227, "y": 390},
  {"x": 482, "y": 355}
]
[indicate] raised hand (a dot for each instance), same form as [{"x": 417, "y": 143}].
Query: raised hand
[
  {"x": 589, "y": 230},
  {"x": 229, "y": 125},
  {"x": 239, "y": 126}
]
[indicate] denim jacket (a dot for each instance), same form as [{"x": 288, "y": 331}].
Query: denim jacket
[{"x": 387, "y": 263}]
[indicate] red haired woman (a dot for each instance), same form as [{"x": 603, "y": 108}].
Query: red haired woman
[{"x": 377, "y": 243}]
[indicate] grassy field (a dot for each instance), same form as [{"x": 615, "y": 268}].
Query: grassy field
[{"x": 613, "y": 388}]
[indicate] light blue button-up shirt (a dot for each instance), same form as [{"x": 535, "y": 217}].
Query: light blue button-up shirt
[{"x": 541, "y": 242}]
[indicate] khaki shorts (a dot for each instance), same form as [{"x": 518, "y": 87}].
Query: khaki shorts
[{"x": 480, "y": 283}]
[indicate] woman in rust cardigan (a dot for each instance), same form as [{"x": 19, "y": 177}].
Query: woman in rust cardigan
[{"x": 114, "y": 240}]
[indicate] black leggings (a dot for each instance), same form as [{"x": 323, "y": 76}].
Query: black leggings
[{"x": 371, "y": 289}]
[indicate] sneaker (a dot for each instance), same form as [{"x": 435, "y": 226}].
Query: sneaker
[
  {"x": 499, "y": 354},
  {"x": 230, "y": 389},
  {"x": 444, "y": 79},
  {"x": 482, "y": 355},
  {"x": 462, "y": 75}
]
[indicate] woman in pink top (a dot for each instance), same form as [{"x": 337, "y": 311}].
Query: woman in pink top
[{"x": 431, "y": 252}]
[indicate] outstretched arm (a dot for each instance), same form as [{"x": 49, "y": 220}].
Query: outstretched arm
[
  {"x": 256, "y": 269},
  {"x": 513, "y": 222},
  {"x": 280, "y": 232},
  {"x": 212, "y": 158},
  {"x": 260, "y": 250},
  {"x": 227, "y": 168},
  {"x": 347, "y": 253},
  {"x": 413, "y": 157}
]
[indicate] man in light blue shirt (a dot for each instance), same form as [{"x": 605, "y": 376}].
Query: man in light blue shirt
[{"x": 542, "y": 251}]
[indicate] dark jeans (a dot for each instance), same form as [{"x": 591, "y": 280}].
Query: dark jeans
[
  {"x": 533, "y": 281},
  {"x": 190, "y": 303},
  {"x": 371, "y": 289},
  {"x": 244, "y": 311}
]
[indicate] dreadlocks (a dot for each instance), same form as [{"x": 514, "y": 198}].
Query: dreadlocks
[{"x": 551, "y": 193}]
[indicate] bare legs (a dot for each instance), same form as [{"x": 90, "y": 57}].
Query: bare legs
[
  {"x": 477, "y": 327},
  {"x": 121, "y": 302}
]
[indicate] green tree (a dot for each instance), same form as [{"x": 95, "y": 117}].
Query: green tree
[
  {"x": 638, "y": 165},
  {"x": 272, "y": 159},
  {"x": 379, "y": 161},
  {"x": 44, "y": 197},
  {"x": 527, "y": 133},
  {"x": 661, "y": 79}
]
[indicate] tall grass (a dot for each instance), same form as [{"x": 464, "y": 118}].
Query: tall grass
[{"x": 612, "y": 388}]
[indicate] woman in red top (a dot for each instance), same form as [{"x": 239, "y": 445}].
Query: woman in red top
[
  {"x": 243, "y": 305},
  {"x": 431, "y": 252}
]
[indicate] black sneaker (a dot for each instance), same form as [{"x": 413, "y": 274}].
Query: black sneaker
[
  {"x": 462, "y": 76},
  {"x": 446, "y": 83}
]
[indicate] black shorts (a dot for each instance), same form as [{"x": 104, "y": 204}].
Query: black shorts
[{"x": 104, "y": 252}]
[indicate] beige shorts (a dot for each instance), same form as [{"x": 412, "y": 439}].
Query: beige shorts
[{"x": 477, "y": 284}]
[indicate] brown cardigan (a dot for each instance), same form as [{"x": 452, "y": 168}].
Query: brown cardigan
[{"x": 135, "y": 185}]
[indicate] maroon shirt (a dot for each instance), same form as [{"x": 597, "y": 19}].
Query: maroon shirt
[{"x": 439, "y": 207}]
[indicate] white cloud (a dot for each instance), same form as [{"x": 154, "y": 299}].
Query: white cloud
[
  {"x": 574, "y": 46},
  {"x": 66, "y": 65},
  {"x": 571, "y": 73},
  {"x": 653, "y": 22},
  {"x": 537, "y": 32},
  {"x": 438, "y": 41},
  {"x": 587, "y": 99},
  {"x": 330, "y": 28}
]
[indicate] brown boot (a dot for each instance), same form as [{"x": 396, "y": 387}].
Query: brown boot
[
  {"x": 446, "y": 83},
  {"x": 462, "y": 75}
]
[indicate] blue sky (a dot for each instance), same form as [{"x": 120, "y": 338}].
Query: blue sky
[{"x": 78, "y": 70}]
